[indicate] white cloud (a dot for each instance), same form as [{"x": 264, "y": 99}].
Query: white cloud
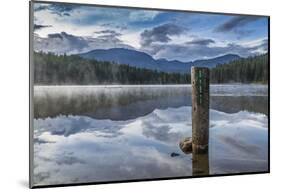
[
  {"x": 140, "y": 15},
  {"x": 85, "y": 21},
  {"x": 131, "y": 38},
  {"x": 61, "y": 43}
]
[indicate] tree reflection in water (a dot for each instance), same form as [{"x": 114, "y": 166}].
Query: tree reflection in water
[{"x": 117, "y": 103}]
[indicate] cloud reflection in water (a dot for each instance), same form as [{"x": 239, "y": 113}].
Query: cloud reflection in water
[{"x": 74, "y": 149}]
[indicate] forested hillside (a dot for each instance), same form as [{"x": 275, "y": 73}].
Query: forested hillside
[
  {"x": 52, "y": 69},
  {"x": 246, "y": 70}
]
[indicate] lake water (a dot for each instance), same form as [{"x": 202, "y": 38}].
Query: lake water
[{"x": 125, "y": 132}]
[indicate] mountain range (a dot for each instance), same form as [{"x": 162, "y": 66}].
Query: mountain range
[{"x": 142, "y": 60}]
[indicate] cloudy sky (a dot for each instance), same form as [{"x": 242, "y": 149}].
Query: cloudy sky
[{"x": 184, "y": 36}]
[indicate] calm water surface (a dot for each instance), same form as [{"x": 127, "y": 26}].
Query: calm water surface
[{"x": 108, "y": 133}]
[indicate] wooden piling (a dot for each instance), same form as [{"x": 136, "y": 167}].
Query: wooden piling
[
  {"x": 200, "y": 109},
  {"x": 200, "y": 164}
]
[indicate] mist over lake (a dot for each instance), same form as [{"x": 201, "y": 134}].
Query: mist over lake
[{"x": 119, "y": 132}]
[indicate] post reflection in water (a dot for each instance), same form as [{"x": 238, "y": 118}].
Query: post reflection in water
[
  {"x": 200, "y": 164},
  {"x": 132, "y": 132}
]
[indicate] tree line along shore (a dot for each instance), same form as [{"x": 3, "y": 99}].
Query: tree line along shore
[{"x": 51, "y": 69}]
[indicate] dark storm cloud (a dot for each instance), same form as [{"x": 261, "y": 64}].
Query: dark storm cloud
[
  {"x": 160, "y": 34},
  {"x": 109, "y": 38},
  {"x": 62, "y": 7},
  {"x": 113, "y": 25},
  {"x": 66, "y": 14},
  {"x": 109, "y": 35},
  {"x": 69, "y": 160},
  {"x": 244, "y": 32},
  {"x": 57, "y": 8},
  {"x": 55, "y": 35},
  {"x": 122, "y": 27},
  {"x": 41, "y": 7},
  {"x": 234, "y": 23},
  {"x": 200, "y": 42},
  {"x": 40, "y": 141},
  {"x": 38, "y": 26},
  {"x": 109, "y": 32}
]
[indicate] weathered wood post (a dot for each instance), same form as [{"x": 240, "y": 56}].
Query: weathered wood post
[
  {"x": 200, "y": 164},
  {"x": 200, "y": 109}
]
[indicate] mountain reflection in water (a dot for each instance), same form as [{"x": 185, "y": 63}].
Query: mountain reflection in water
[{"x": 95, "y": 134}]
